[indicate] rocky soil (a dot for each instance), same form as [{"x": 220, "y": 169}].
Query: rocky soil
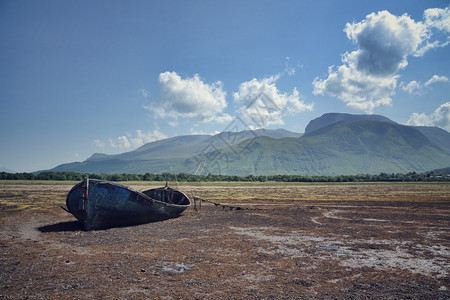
[{"x": 333, "y": 241}]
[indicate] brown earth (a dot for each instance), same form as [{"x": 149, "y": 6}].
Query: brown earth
[{"x": 328, "y": 241}]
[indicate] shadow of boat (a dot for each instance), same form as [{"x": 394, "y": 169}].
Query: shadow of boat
[
  {"x": 62, "y": 226},
  {"x": 78, "y": 226}
]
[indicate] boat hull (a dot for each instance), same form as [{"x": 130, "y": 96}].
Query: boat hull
[{"x": 103, "y": 204}]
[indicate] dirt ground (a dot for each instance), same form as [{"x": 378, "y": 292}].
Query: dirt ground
[{"x": 305, "y": 241}]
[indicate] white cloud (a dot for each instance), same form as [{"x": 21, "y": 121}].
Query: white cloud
[
  {"x": 417, "y": 88},
  {"x": 144, "y": 93},
  {"x": 429, "y": 46},
  {"x": 368, "y": 75},
  {"x": 384, "y": 42},
  {"x": 262, "y": 103},
  {"x": 287, "y": 68},
  {"x": 436, "y": 78},
  {"x": 196, "y": 131},
  {"x": 173, "y": 123},
  {"x": 438, "y": 18},
  {"x": 98, "y": 143},
  {"x": 141, "y": 138},
  {"x": 223, "y": 118},
  {"x": 413, "y": 87},
  {"x": 440, "y": 118},
  {"x": 358, "y": 90},
  {"x": 190, "y": 98},
  {"x": 121, "y": 142}
]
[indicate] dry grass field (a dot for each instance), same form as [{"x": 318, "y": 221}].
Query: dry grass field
[{"x": 290, "y": 241}]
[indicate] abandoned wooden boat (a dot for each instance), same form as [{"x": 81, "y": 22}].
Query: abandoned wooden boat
[{"x": 103, "y": 204}]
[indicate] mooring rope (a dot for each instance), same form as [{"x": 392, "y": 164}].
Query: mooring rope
[{"x": 224, "y": 206}]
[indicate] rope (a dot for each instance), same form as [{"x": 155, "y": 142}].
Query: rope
[{"x": 224, "y": 206}]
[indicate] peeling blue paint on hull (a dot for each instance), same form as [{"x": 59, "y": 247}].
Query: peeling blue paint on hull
[{"x": 102, "y": 204}]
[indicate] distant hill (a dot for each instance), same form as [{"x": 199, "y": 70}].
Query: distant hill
[
  {"x": 341, "y": 148},
  {"x": 6, "y": 170},
  {"x": 334, "y": 144},
  {"x": 179, "y": 146},
  {"x": 188, "y": 145},
  {"x": 443, "y": 171},
  {"x": 167, "y": 155}
]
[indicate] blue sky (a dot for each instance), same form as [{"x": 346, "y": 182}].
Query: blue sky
[{"x": 79, "y": 77}]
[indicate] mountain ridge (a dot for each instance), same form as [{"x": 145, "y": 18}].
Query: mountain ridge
[
  {"x": 343, "y": 148},
  {"x": 338, "y": 144},
  {"x": 330, "y": 118},
  {"x": 188, "y": 145}
]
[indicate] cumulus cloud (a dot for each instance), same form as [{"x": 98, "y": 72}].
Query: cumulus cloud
[
  {"x": 261, "y": 102},
  {"x": 98, "y": 143},
  {"x": 134, "y": 141},
  {"x": 413, "y": 87},
  {"x": 190, "y": 98},
  {"x": 357, "y": 89},
  {"x": 440, "y": 118},
  {"x": 384, "y": 42},
  {"x": 417, "y": 88},
  {"x": 368, "y": 75},
  {"x": 438, "y": 18},
  {"x": 121, "y": 142}
]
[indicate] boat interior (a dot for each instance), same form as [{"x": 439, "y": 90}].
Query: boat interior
[{"x": 167, "y": 195}]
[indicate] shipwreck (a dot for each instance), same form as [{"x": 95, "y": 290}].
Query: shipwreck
[{"x": 102, "y": 204}]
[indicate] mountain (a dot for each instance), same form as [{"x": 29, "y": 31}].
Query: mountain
[
  {"x": 331, "y": 118},
  {"x": 6, "y": 170},
  {"x": 179, "y": 146},
  {"x": 167, "y": 155},
  {"x": 437, "y": 135},
  {"x": 340, "y": 148},
  {"x": 189, "y": 145},
  {"x": 334, "y": 144}
]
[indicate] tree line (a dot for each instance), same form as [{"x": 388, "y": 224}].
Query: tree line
[{"x": 436, "y": 175}]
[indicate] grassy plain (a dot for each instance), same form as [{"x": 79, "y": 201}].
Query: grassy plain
[{"x": 310, "y": 241}]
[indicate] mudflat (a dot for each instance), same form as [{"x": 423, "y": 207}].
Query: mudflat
[{"x": 286, "y": 241}]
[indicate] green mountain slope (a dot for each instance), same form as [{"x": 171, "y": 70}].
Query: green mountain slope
[
  {"x": 348, "y": 147},
  {"x": 335, "y": 144},
  {"x": 438, "y": 136},
  {"x": 117, "y": 166},
  {"x": 179, "y": 146},
  {"x": 188, "y": 145},
  {"x": 167, "y": 155}
]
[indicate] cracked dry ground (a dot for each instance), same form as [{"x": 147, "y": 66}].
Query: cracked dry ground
[{"x": 330, "y": 241}]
